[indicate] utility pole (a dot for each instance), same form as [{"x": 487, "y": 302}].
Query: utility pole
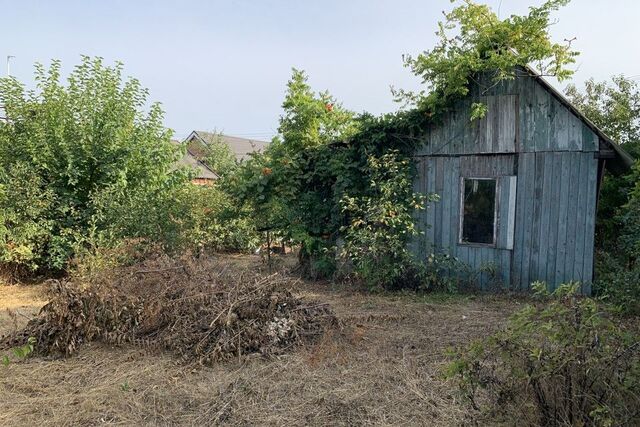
[{"x": 9, "y": 65}]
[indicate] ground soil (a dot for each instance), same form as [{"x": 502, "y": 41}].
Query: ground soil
[{"x": 385, "y": 368}]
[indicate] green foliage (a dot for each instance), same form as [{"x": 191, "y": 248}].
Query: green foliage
[
  {"x": 20, "y": 352},
  {"x": 25, "y": 227},
  {"x": 442, "y": 272},
  {"x": 219, "y": 157},
  {"x": 311, "y": 119},
  {"x": 560, "y": 361},
  {"x": 63, "y": 147},
  {"x": 380, "y": 221},
  {"x": 616, "y": 283},
  {"x": 615, "y": 108},
  {"x": 202, "y": 218},
  {"x": 473, "y": 41}
]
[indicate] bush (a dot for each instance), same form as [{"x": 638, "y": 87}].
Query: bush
[
  {"x": 186, "y": 217},
  {"x": 381, "y": 222},
  {"x": 62, "y": 146},
  {"x": 561, "y": 361},
  {"x": 617, "y": 284}
]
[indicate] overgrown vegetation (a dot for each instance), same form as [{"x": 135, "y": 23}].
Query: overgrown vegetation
[
  {"x": 325, "y": 183},
  {"x": 564, "y": 360},
  {"x": 89, "y": 162},
  {"x": 615, "y": 108}
]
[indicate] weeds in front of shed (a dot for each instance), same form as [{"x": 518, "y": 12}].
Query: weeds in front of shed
[{"x": 563, "y": 360}]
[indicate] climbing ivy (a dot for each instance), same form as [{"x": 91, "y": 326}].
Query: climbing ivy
[
  {"x": 473, "y": 40},
  {"x": 333, "y": 179}
]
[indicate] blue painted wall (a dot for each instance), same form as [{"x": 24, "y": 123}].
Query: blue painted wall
[{"x": 544, "y": 158}]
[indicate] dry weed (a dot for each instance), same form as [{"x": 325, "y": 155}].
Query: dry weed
[{"x": 197, "y": 309}]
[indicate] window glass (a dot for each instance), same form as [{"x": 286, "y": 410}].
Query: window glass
[{"x": 479, "y": 211}]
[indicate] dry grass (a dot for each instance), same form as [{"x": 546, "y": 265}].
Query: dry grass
[{"x": 387, "y": 371}]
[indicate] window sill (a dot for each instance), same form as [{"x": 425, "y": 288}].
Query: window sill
[{"x": 478, "y": 245}]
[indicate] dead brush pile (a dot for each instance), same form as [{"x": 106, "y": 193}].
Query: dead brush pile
[{"x": 198, "y": 309}]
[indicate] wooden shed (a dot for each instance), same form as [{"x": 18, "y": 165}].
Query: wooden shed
[{"x": 519, "y": 188}]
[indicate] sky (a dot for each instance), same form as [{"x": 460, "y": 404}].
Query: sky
[{"x": 223, "y": 65}]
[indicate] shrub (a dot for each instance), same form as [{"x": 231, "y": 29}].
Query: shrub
[
  {"x": 199, "y": 309},
  {"x": 185, "y": 217},
  {"x": 381, "y": 222},
  {"x": 65, "y": 144},
  {"x": 617, "y": 284},
  {"x": 563, "y": 360}
]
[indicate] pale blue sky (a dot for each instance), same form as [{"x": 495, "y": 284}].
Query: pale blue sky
[{"x": 224, "y": 64}]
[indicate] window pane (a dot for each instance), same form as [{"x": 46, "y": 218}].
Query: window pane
[{"x": 479, "y": 210}]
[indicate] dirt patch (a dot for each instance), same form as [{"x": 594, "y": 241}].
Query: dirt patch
[
  {"x": 388, "y": 371},
  {"x": 19, "y": 304}
]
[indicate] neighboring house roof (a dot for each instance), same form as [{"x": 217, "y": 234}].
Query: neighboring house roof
[
  {"x": 241, "y": 147},
  {"x": 191, "y": 161},
  {"x": 619, "y": 160}
]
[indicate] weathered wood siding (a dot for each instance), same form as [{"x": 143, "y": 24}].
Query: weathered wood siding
[
  {"x": 522, "y": 116},
  {"x": 543, "y": 157}
]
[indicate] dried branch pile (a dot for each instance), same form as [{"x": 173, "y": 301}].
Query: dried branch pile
[{"x": 195, "y": 308}]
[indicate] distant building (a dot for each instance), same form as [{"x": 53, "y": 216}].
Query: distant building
[
  {"x": 197, "y": 143},
  {"x": 241, "y": 147},
  {"x": 205, "y": 175}
]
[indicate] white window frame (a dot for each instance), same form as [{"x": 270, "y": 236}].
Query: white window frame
[{"x": 496, "y": 211}]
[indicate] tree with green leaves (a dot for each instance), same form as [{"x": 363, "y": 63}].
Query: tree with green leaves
[
  {"x": 615, "y": 108},
  {"x": 63, "y": 146},
  {"x": 473, "y": 41},
  {"x": 218, "y": 156},
  {"x": 312, "y": 119}
]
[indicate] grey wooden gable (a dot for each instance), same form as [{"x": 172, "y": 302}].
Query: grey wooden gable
[{"x": 546, "y": 159}]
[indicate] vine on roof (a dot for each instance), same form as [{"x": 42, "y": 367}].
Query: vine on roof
[{"x": 333, "y": 179}]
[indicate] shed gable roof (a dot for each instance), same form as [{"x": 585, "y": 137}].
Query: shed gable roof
[{"x": 621, "y": 161}]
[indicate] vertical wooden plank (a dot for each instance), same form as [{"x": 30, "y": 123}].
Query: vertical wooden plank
[
  {"x": 484, "y": 128},
  {"x": 541, "y": 114},
  {"x": 455, "y": 205},
  {"x": 538, "y": 186},
  {"x": 507, "y": 124},
  {"x": 590, "y": 212},
  {"x": 563, "y": 217},
  {"x": 561, "y": 128},
  {"x": 589, "y": 139},
  {"x": 430, "y": 166},
  {"x": 447, "y": 194},
  {"x": 493, "y": 142},
  {"x": 546, "y": 208},
  {"x": 581, "y": 216},
  {"x": 439, "y": 208},
  {"x": 523, "y": 119},
  {"x": 505, "y": 268},
  {"x": 553, "y": 209},
  {"x": 572, "y": 216},
  {"x": 511, "y": 211},
  {"x": 575, "y": 133},
  {"x": 527, "y": 165}
]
